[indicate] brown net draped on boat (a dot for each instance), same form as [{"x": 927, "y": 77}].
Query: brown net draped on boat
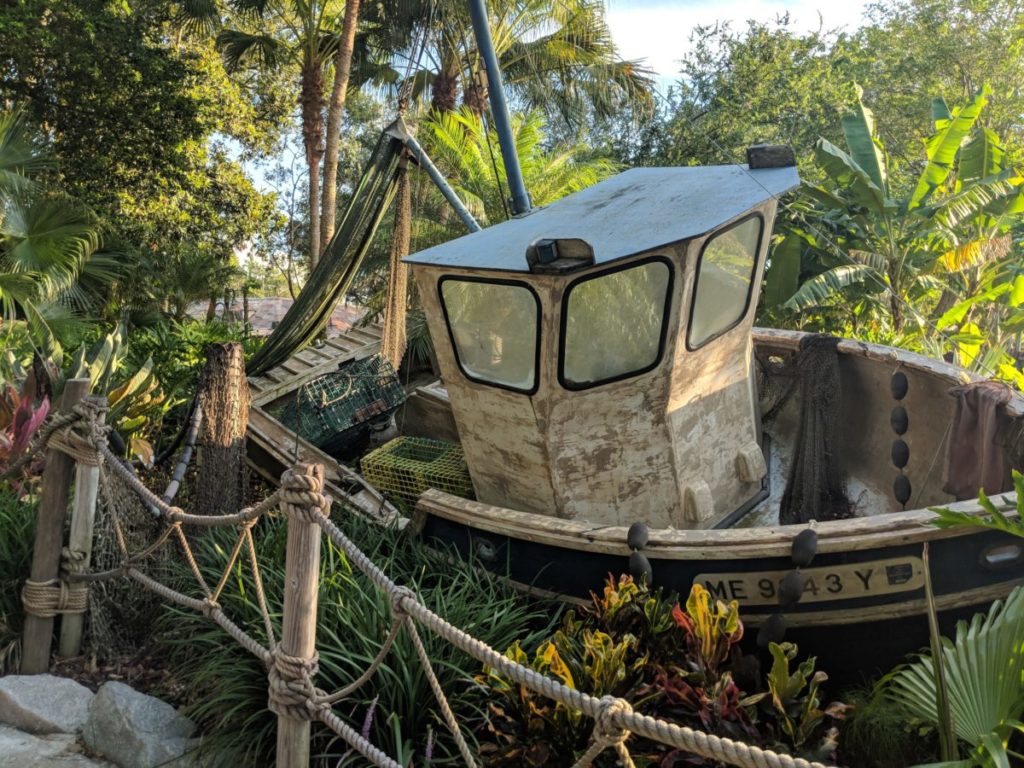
[
  {"x": 339, "y": 262},
  {"x": 814, "y": 489},
  {"x": 393, "y": 341}
]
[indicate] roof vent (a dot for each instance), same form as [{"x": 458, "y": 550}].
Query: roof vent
[{"x": 770, "y": 156}]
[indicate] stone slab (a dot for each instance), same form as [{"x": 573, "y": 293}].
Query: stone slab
[{"x": 44, "y": 703}]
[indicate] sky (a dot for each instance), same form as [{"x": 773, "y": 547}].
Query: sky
[{"x": 659, "y": 30}]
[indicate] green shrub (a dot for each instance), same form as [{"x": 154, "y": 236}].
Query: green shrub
[
  {"x": 17, "y": 529},
  {"x": 225, "y": 688},
  {"x": 178, "y": 351},
  {"x": 878, "y": 734}
]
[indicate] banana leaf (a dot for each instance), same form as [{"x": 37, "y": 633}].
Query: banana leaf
[
  {"x": 783, "y": 274},
  {"x": 845, "y": 171},
  {"x": 820, "y": 287},
  {"x": 944, "y": 145},
  {"x": 981, "y": 157},
  {"x": 865, "y": 149}
]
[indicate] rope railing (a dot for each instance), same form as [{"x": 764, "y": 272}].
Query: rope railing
[{"x": 292, "y": 693}]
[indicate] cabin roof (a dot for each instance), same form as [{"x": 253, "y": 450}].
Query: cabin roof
[{"x": 635, "y": 211}]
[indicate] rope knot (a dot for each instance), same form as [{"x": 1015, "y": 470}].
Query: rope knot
[
  {"x": 210, "y": 607},
  {"x": 175, "y": 516},
  {"x": 398, "y": 597},
  {"x": 606, "y": 731},
  {"x": 73, "y": 562},
  {"x": 291, "y": 689},
  {"x": 302, "y": 497}
]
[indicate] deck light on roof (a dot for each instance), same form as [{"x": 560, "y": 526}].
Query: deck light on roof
[{"x": 557, "y": 256}]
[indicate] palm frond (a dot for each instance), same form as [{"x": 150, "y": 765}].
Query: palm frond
[
  {"x": 984, "y": 665},
  {"x": 23, "y": 153},
  {"x": 199, "y": 16},
  {"x": 237, "y": 47}
]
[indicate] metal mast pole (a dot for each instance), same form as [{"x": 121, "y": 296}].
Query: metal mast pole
[{"x": 499, "y": 107}]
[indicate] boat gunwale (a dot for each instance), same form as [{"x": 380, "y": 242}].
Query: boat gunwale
[{"x": 889, "y": 529}]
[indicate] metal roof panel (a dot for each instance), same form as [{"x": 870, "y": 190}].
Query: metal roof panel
[{"x": 630, "y": 213}]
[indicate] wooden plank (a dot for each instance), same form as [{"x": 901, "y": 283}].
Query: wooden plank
[
  {"x": 279, "y": 443},
  {"x": 49, "y": 538},
  {"x": 330, "y": 363},
  {"x": 341, "y": 346}
]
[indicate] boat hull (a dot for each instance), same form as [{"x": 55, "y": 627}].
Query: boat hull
[{"x": 863, "y": 607}]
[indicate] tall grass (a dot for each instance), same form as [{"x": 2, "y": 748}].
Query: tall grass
[
  {"x": 17, "y": 529},
  {"x": 225, "y": 688}
]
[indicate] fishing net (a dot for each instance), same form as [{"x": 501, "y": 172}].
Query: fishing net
[
  {"x": 331, "y": 410},
  {"x": 121, "y": 611},
  {"x": 339, "y": 262},
  {"x": 814, "y": 489},
  {"x": 407, "y": 466}
]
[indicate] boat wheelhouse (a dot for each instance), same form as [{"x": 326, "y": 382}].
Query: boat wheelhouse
[{"x": 597, "y": 352}]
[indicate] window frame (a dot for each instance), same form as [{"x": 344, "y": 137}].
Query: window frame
[
  {"x": 662, "y": 338},
  {"x": 455, "y": 347},
  {"x": 750, "y": 285}
]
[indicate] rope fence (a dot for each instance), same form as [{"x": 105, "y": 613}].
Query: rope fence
[{"x": 290, "y": 657}]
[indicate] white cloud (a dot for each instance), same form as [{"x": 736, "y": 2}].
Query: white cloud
[{"x": 659, "y": 30}]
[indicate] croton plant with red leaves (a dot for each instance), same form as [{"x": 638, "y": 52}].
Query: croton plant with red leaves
[{"x": 21, "y": 416}]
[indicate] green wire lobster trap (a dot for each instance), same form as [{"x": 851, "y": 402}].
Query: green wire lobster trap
[
  {"x": 335, "y": 409},
  {"x": 407, "y": 466}
]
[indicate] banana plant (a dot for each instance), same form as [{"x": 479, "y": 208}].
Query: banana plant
[
  {"x": 862, "y": 240},
  {"x": 132, "y": 401}
]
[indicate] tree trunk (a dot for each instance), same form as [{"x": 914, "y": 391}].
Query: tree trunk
[
  {"x": 342, "y": 70},
  {"x": 224, "y": 397},
  {"x": 211, "y": 309},
  {"x": 475, "y": 94},
  {"x": 312, "y": 141}
]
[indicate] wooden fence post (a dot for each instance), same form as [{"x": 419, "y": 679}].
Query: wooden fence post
[
  {"x": 83, "y": 518},
  {"x": 53, "y": 509},
  {"x": 298, "y": 621}
]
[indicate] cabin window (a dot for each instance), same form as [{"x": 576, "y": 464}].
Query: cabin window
[
  {"x": 494, "y": 327},
  {"x": 613, "y": 324},
  {"x": 725, "y": 276}
]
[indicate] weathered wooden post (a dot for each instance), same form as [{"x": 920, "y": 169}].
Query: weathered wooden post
[
  {"x": 295, "y": 657},
  {"x": 224, "y": 398},
  {"x": 53, "y": 509},
  {"x": 83, "y": 518}
]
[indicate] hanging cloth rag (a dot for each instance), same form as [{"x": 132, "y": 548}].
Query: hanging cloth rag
[
  {"x": 976, "y": 452},
  {"x": 393, "y": 339},
  {"x": 339, "y": 262}
]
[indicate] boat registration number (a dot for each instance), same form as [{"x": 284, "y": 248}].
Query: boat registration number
[{"x": 839, "y": 582}]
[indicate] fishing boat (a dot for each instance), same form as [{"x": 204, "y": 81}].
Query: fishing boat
[{"x": 618, "y": 412}]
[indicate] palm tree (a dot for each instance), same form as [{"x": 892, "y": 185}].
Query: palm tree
[
  {"x": 46, "y": 238},
  {"x": 461, "y": 147},
  {"x": 555, "y": 56},
  {"x": 300, "y": 35}
]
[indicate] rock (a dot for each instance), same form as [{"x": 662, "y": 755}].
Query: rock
[
  {"x": 135, "y": 730},
  {"x": 44, "y": 703},
  {"x": 24, "y": 750}
]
